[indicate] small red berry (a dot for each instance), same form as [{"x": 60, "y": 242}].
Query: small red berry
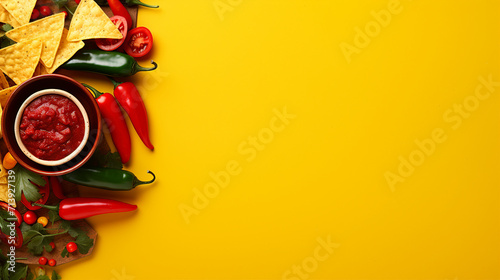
[
  {"x": 42, "y": 260},
  {"x": 35, "y": 14},
  {"x": 52, "y": 262},
  {"x": 45, "y": 11}
]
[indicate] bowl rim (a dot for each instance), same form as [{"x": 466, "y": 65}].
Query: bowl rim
[
  {"x": 11, "y": 143},
  {"x": 20, "y": 112}
]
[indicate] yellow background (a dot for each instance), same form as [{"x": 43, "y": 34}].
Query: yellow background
[{"x": 223, "y": 73}]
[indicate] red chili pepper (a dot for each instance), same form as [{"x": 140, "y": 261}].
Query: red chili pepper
[
  {"x": 8, "y": 208},
  {"x": 119, "y": 10},
  {"x": 115, "y": 121},
  {"x": 130, "y": 99},
  {"x": 76, "y": 208},
  {"x": 56, "y": 187},
  {"x": 44, "y": 192}
]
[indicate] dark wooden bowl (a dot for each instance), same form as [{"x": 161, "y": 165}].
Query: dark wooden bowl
[{"x": 49, "y": 81}]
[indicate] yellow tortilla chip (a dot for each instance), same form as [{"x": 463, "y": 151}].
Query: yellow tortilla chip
[
  {"x": 66, "y": 50},
  {"x": 20, "y": 9},
  {"x": 90, "y": 22},
  {"x": 3, "y": 81},
  {"x": 4, "y": 185},
  {"x": 5, "y": 94},
  {"x": 6, "y": 17},
  {"x": 20, "y": 60},
  {"x": 48, "y": 29}
]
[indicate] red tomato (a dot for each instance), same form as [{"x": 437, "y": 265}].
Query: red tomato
[
  {"x": 29, "y": 217},
  {"x": 71, "y": 247},
  {"x": 42, "y": 260},
  {"x": 45, "y": 11},
  {"x": 139, "y": 42},
  {"x": 44, "y": 191},
  {"x": 35, "y": 14},
  {"x": 52, "y": 262},
  {"x": 113, "y": 44}
]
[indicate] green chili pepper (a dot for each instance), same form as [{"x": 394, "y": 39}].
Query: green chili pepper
[
  {"x": 114, "y": 64},
  {"x": 127, "y": 3},
  {"x": 106, "y": 178}
]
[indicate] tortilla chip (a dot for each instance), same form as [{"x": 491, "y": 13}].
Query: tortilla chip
[
  {"x": 5, "y": 94},
  {"x": 3, "y": 81},
  {"x": 90, "y": 22},
  {"x": 48, "y": 29},
  {"x": 20, "y": 60},
  {"x": 20, "y": 9},
  {"x": 6, "y": 17},
  {"x": 4, "y": 185},
  {"x": 66, "y": 50}
]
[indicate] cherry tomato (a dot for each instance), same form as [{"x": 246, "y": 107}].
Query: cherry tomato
[
  {"x": 139, "y": 42},
  {"x": 71, "y": 247},
  {"x": 42, "y": 260},
  {"x": 44, "y": 191},
  {"x": 43, "y": 221},
  {"x": 45, "y": 11},
  {"x": 29, "y": 217},
  {"x": 113, "y": 44},
  {"x": 52, "y": 262},
  {"x": 9, "y": 208},
  {"x": 53, "y": 245},
  {"x": 35, "y": 14}
]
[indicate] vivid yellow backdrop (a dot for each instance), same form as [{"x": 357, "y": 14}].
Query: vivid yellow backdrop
[{"x": 320, "y": 175}]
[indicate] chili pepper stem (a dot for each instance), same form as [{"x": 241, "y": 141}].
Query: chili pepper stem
[
  {"x": 115, "y": 83},
  {"x": 138, "y": 68},
  {"x": 94, "y": 91},
  {"x": 137, "y": 2},
  {"x": 138, "y": 182},
  {"x": 50, "y": 207}
]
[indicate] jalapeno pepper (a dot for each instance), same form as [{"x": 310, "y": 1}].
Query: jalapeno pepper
[
  {"x": 114, "y": 64},
  {"x": 76, "y": 208},
  {"x": 128, "y": 3},
  {"x": 119, "y": 10},
  {"x": 106, "y": 178},
  {"x": 130, "y": 99},
  {"x": 115, "y": 121}
]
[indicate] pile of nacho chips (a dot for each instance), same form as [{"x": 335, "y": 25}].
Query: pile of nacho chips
[{"x": 44, "y": 45}]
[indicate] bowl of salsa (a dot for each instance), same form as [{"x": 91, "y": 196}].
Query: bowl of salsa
[{"x": 51, "y": 125}]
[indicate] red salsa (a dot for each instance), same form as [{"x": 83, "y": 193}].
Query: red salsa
[{"x": 52, "y": 127}]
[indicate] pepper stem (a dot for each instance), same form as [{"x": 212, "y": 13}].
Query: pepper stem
[
  {"x": 138, "y": 182},
  {"x": 138, "y": 68},
  {"x": 138, "y": 2},
  {"x": 94, "y": 91},
  {"x": 50, "y": 207},
  {"x": 115, "y": 83}
]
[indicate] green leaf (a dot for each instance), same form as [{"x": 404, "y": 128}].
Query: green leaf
[
  {"x": 42, "y": 277},
  {"x": 60, "y": 3},
  {"x": 23, "y": 183},
  {"x": 84, "y": 243},
  {"x": 20, "y": 273},
  {"x": 30, "y": 276},
  {"x": 6, "y": 27},
  {"x": 5, "y": 271},
  {"x": 55, "y": 276},
  {"x": 53, "y": 216},
  {"x": 65, "y": 253}
]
